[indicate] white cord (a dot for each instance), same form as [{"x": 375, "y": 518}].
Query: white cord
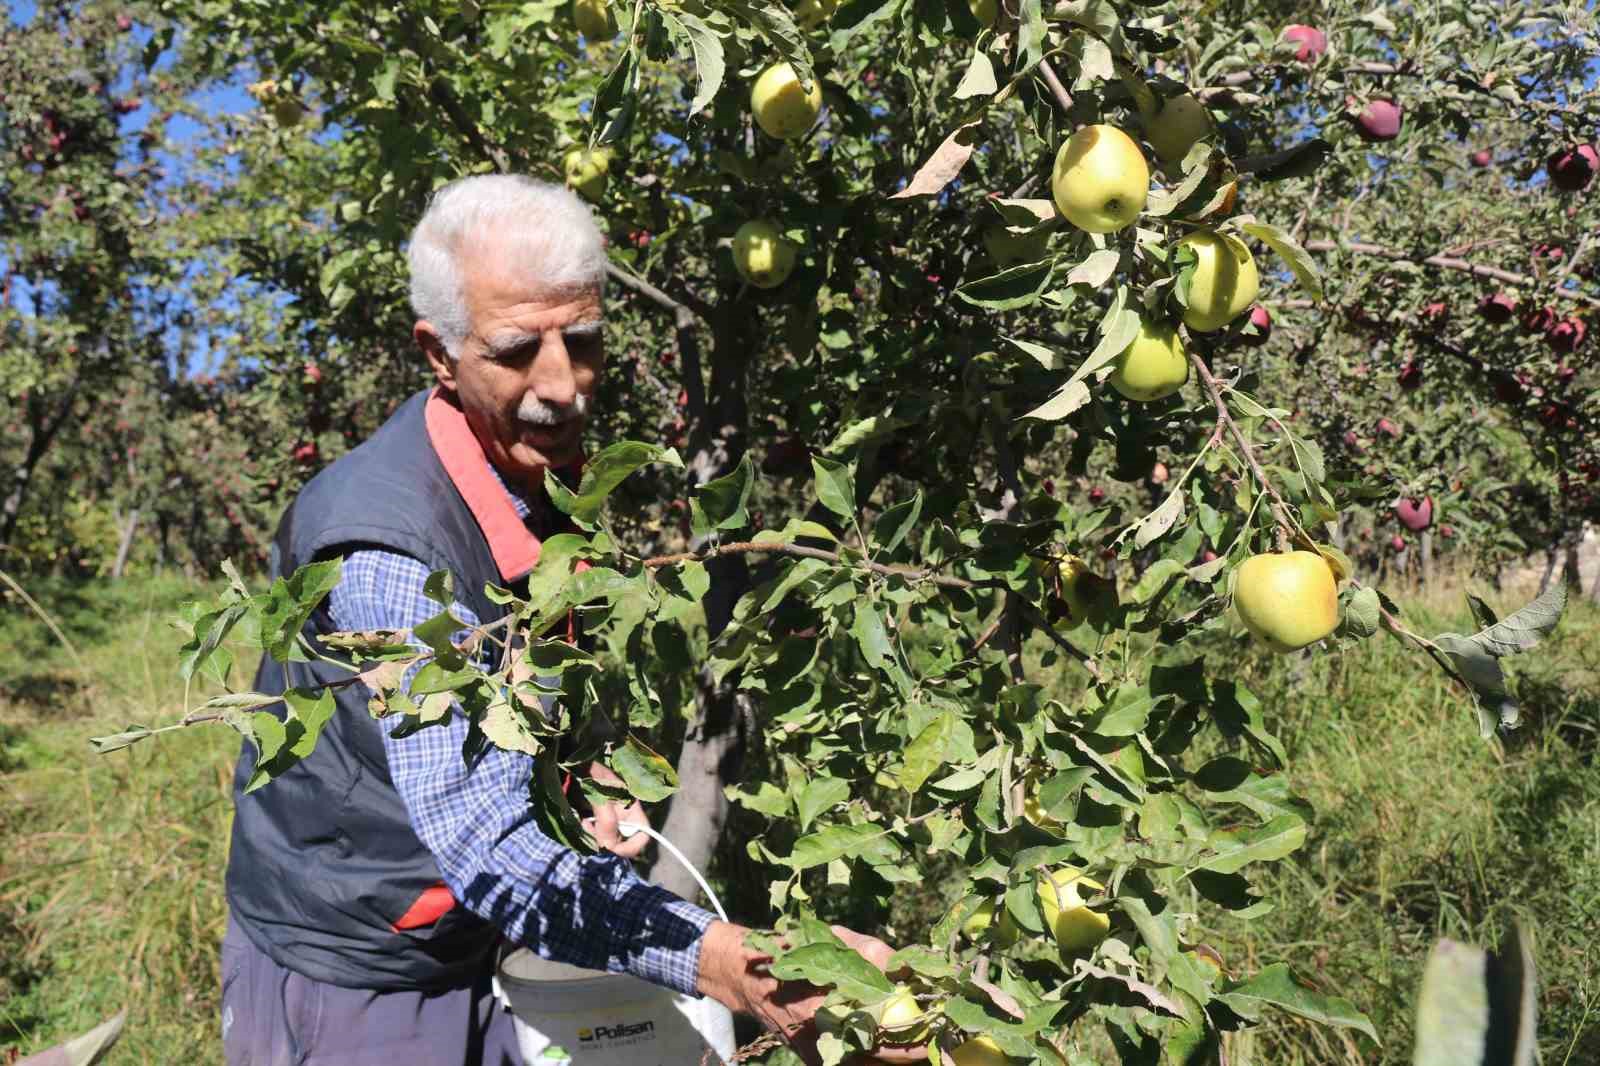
[{"x": 628, "y": 829}]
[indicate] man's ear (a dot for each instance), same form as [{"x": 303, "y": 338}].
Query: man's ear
[{"x": 432, "y": 345}]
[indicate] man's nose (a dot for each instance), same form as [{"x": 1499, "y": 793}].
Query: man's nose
[{"x": 552, "y": 378}]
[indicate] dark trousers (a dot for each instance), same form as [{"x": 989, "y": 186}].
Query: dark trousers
[{"x": 275, "y": 1017}]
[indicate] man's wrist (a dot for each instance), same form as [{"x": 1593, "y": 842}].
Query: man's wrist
[{"x": 723, "y": 959}]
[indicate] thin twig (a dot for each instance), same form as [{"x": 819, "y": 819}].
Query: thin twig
[
  {"x": 1058, "y": 90},
  {"x": 1280, "y": 510},
  {"x": 746, "y": 547}
]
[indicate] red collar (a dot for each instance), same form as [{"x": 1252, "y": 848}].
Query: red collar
[{"x": 513, "y": 545}]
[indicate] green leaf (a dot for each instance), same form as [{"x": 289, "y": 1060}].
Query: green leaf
[
  {"x": 1232, "y": 851},
  {"x": 928, "y": 751},
  {"x": 979, "y": 77},
  {"x": 608, "y": 469},
  {"x": 720, "y": 503},
  {"x": 896, "y": 523},
  {"x": 1274, "y": 986},
  {"x": 709, "y": 64},
  {"x": 117, "y": 741},
  {"x": 871, "y": 635},
  {"x": 648, "y": 775},
  {"x": 836, "y": 486},
  {"x": 1278, "y": 239},
  {"x": 835, "y": 965},
  {"x": 1362, "y": 614},
  {"x": 1014, "y": 287},
  {"x": 1063, "y": 403},
  {"x": 871, "y": 842},
  {"x": 818, "y": 795},
  {"x": 1153, "y": 525}
]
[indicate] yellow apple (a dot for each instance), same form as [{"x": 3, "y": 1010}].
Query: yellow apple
[
  {"x": 812, "y": 13},
  {"x": 761, "y": 255},
  {"x": 985, "y": 11},
  {"x": 593, "y": 19},
  {"x": 782, "y": 108},
  {"x": 979, "y": 1051},
  {"x": 1177, "y": 126},
  {"x": 1288, "y": 600},
  {"x": 1087, "y": 595},
  {"x": 1007, "y": 248},
  {"x": 1100, "y": 180},
  {"x": 1075, "y": 926},
  {"x": 1153, "y": 365},
  {"x": 588, "y": 172},
  {"x": 1006, "y": 930},
  {"x": 1032, "y": 810},
  {"x": 978, "y": 921},
  {"x": 1224, "y": 282},
  {"x": 901, "y": 1018}
]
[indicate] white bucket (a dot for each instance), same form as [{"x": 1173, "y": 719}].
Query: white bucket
[
  {"x": 564, "y": 1014},
  {"x": 568, "y": 1015}
]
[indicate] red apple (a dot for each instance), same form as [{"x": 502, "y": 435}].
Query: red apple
[
  {"x": 310, "y": 375},
  {"x": 1312, "y": 42},
  {"x": 1564, "y": 373},
  {"x": 1389, "y": 428},
  {"x": 1415, "y": 515},
  {"x": 1379, "y": 121},
  {"x": 1353, "y": 442},
  {"x": 1571, "y": 169},
  {"x": 305, "y": 453},
  {"x": 1566, "y": 336},
  {"x": 1410, "y": 376},
  {"x": 1482, "y": 157},
  {"x": 1538, "y": 319},
  {"x": 1159, "y": 474},
  {"x": 1552, "y": 252},
  {"x": 1209, "y": 556},
  {"x": 1261, "y": 319},
  {"x": 1049, "y": 487},
  {"x": 1097, "y": 494},
  {"x": 1497, "y": 308},
  {"x": 1435, "y": 312},
  {"x": 124, "y": 23},
  {"x": 1397, "y": 542},
  {"x": 1447, "y": 531}
]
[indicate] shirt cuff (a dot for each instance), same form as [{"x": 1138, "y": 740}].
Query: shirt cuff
[{"x": 672, "y": 931}]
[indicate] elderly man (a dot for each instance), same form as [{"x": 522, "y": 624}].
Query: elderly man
[{"x": 370, "y": 885}]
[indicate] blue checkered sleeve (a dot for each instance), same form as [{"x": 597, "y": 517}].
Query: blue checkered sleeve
[{"x": 592, "y": 911}]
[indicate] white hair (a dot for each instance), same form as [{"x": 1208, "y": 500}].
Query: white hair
[{"x": 550, "y": 231}]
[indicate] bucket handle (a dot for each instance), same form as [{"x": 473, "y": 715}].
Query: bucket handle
[{"x": 628, "y": 829}]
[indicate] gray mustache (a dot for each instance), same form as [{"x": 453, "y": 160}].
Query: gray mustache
[{"x": 536, "y": 412}]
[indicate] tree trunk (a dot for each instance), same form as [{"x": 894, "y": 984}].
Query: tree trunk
[
  {"x": 1426, "y": 556},
  {"x": 714, "y": 744},
  {"x": 126, "y": 544},
  {"x": 1574, "y": 575},
  {"x": 1550, "y": 555},
  {"x": 44, "y": 427}
]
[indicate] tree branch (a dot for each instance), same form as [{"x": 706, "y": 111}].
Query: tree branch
[{"x": 1445, "y": 262}]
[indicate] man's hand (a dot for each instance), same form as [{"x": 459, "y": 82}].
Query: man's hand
[
  {"x": 735, "y": 976},
  {"x": 606, "y": 816}
]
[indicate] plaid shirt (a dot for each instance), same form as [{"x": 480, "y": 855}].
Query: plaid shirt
[{"x": 592, "y": 911}]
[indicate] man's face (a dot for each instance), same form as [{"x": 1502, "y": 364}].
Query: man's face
[{"x": 528, "y": 367}]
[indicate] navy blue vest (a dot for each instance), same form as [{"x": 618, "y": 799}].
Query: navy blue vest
[{"x": 324, "y": 862}]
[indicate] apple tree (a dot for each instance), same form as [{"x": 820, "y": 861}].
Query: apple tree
[{"x": 980, "y": 466}]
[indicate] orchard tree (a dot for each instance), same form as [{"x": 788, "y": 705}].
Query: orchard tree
[{"x": 982, "y": 465}]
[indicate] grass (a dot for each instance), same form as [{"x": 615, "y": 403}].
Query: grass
[{"x": 111, "y": 866}]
